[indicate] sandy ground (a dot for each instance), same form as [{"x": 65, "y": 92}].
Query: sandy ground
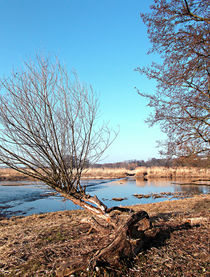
[{"x": 177, "y": 245}]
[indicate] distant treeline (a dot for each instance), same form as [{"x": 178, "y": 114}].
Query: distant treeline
[{"x": 202, "y": 161}]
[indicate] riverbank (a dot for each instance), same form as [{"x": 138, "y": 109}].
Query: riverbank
[
  {"x": 177, "y": 245},
  {"x": 149, "y": 172},
  {"x": 7, "y": 174}
]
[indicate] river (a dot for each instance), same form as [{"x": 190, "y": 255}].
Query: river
[{"x": 24, "y": 198}]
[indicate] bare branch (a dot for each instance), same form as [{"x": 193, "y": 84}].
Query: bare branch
[
  {"x": 179, "y": 31},
  {"x": 48, "y": 124}
]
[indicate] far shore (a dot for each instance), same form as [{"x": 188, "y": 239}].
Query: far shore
[{"x": 7, "y": 174}]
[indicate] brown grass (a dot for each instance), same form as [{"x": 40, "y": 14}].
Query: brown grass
[
  {"x": 148, "y": 172},
  {"x": 172, "y": 172},
  {"x": 7, "y": 174},
  {"x": 101, "y": 173},
  {"x": 140, "y": 172}
]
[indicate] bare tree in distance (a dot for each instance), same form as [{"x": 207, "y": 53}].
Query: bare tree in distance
[
  {"x": 179, "y": 32},
  {"x": 49, "y": 131}
]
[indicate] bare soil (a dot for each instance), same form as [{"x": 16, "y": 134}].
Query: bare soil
[{"x": 177, "y": 244}]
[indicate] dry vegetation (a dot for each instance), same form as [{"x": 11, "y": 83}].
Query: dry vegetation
[
  {"x": 149, "y": 172},
  {"x": 140, "y": 172},
  {"x": 101, "y": 173},
  {"x": 177, "y": 245},
  {"x": 8, "y": 174},
  {"x": 172, "y": 172}
]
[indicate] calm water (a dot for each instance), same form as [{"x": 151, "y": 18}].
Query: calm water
[{"x": 33, "y": 197}]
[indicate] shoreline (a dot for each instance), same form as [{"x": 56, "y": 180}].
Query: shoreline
[
  {"x": 169, "y": 197},
  {"x": 150, "y": 207},
  {"x": 205, "y": 181},
  {"x": 144, "y": 173},
  {"x": 32, "y": 244}
]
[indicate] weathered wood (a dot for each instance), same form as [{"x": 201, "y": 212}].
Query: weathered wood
[
  {"x": 197, "y": 221},
  {"x": 127, "y": 236},
  {"x": 95, "y": 224},
  {"x": 84, "y": 201},
  {"x": 121, "y": 246}
]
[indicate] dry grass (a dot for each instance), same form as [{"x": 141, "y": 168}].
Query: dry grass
[
  {"x": 148, "y": 172},
  {"x": 172, "y": 172},
  {"x": 101, "y": 173},
  {"x": 28, "y": 243},
  {"x": 139, "y": 172},
  {"x": 7, "y": 174}
]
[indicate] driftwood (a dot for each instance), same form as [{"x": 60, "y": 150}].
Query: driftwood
[
  {"x": 124, "y": 227},
  {"x": 197, "y": 221}
]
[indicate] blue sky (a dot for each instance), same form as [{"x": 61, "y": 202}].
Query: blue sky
[{"x": 104, "y": 41}]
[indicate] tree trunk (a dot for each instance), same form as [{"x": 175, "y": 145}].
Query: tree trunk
[
  {"x": 124, "y": 227},
  {"x": 127, "y": 240}
]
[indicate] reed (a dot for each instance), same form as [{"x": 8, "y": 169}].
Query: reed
[
  {"x": 102, "y": 173},
  {"x": 139, "y": 172},
  {"x": 172, "y": 172},
  {"x": 11, "y": 174}
]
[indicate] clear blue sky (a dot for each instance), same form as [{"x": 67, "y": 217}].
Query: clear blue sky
[{"x": 104, "y": 40}]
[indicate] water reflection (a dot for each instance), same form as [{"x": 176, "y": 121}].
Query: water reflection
[
  {"x": 25, "y": 198},
  {"x": 192, "y": 189},
  {"x": 159, "y": 182}
]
